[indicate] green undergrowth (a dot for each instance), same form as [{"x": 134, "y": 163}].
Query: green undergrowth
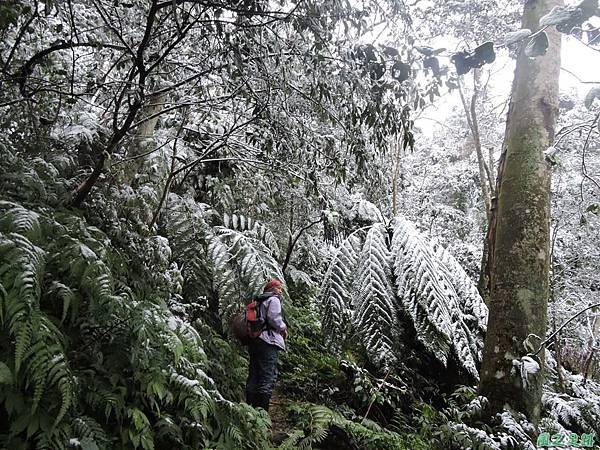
[
  {"x": 331, "y": 402},
  {"x": 93, "y": 352},
  {"x": 319, "y": 427}
]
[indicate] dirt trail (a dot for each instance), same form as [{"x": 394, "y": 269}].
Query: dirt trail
[{"x": 279, "y": 423}]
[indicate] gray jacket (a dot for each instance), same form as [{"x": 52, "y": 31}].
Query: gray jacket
[{"x": 271, "y": 309}]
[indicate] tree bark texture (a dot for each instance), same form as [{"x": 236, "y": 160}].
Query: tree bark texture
[
  {"x": 521, "y": 249},
  {"x": 144, "y": 136}
]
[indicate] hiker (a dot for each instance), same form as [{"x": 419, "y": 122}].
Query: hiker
[{"x": 263, "y": 349}]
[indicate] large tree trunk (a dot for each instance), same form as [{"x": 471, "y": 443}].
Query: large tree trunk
[{"x": 521, "y": 252}]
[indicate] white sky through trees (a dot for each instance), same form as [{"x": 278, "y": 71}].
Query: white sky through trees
[{"x": 580, "y": 72}]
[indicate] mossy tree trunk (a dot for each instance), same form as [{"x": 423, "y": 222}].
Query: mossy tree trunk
[{"x": 521, "y": 252}]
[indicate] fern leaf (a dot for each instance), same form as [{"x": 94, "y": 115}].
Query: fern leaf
[
  {"x": 375, "y": 308},
  {"x": 250, "y": 261},
  {"x": 336, "y": 290},
  {"x": 429, "y": 297},
  {"x": 420, "y": 291},
  {"x": 21, "y": 221},
  {"x": 85, "y": 427},
  {"x": 260, "y": 231},
  {"x": 189, "y": 235},
  {"x": 470, "y": 302},
  {"x": 21, "y": 272},
  {"x": 64, "y": 293},
  {"x": 23, "y": 339},
  {"x": 227, "y": 280},
  {"x": 292, "y": 440}
]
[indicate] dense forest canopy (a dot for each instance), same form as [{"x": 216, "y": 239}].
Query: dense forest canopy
[{"x": 437, "y": 231}]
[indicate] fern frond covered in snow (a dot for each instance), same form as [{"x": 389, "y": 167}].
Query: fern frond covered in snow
[
  {"x": 245, "y": 263},
  {"x": 470, "y": 302},
  {"x": 58, "y": 279},
  {"x": 234, "y": 261},
  {"x": 430, "y": 298},
  {"x": 426, "y": 283},
  {"x": 336, "y": 292},
  {"x": 260, "y": 231},
  {"x": 375, "y": 316}
]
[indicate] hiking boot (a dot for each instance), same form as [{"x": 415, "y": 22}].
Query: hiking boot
[{"x": 262, "y": 401}]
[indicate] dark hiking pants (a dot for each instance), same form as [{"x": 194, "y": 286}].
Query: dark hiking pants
[{"x": 262, "y": 373}]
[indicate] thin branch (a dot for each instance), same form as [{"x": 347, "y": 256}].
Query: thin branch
[
  {"x": 577, "y": 78},
  {"x": 585, "y": 146},
  {"x": 27, "y": 68},
  {"x": 564, "y": 325},
  {"x": 293, "y": 242}
]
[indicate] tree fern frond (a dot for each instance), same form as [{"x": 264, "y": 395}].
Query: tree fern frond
[
  {"x": 22, "y": 342},
  {"x": 292, "y": 440},
  {"x": 234, "y": 436},
  {"x": 193, "y": 396},
  {"x": 226, "y": 279},
  {"x": 261, "y": 232},
  {"x": 336, "y": 290},
  {"x": 46, "y": 365},
  {"x": 189, "y": 235},
  {"x": 86, "y": 427},
  {"x": 21, "y": 272},
  {"x": 252, "y": 263},
  {"x": 21, "y": 221},
  {"x": 64, "y": 293},
  {"x": 375, "y": 315},
  {"x": 419, "y": 288},
  {"x": 56, "y": 438},
  {"x": 37, "y": 367},
  {"x": 102, "y": 399},
  {"x": 429, "y": 296},
  {"x": 469, "y": 300}
]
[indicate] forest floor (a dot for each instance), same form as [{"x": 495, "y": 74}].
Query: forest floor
[{"x": 279, "y": 423}]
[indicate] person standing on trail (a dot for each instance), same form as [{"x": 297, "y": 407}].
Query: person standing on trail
[{"x": 264, "y": 349}]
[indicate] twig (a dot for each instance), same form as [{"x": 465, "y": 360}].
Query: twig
[
  {"x": 375, "y": 396},
  {"x": 564, "y": 325}
]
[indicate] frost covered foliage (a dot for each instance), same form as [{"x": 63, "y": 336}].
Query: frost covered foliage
[
  {"x": 91, "y": 352},
  {"x": 570, "y": 402},
  {"x": 465, "y": 426},
  {"x": 226, "y": 265},
  {"x": 569, "y": 405},
  {"x": 380, "y": 274}
]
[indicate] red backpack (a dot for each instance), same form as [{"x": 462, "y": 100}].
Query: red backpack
[{"x": 250, "y": 323}]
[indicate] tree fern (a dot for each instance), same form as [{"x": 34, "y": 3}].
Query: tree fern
[
  {"x": 316, "y": 421},
  {"x": 424, "y": 288},
  {"x": 89, "y": 339},
  {"x": 430, "y": 299},
  {"x": 260, "y": 231},
  {"x": 374, "y": 303},
  {"x": 244, "y": 264},
  {"x": 419, "y": 289},
  {"x": 187, "y": 228},
  {"x": 470, "y": 302},
  {"x": 88, "y": 431},
  {"x": 226, "y": 279},
  {"x": 38, "y": 348},
  {"x": 20, "y": 220},
  {"x": 336, "y": 291},
  {"x": 234, "y": 260}
]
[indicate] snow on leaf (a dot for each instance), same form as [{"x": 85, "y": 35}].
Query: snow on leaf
[
  {"x": 528, "y": 368},
  {"x": 592, "y": 95},
  {"x": 516, "y": 36},
  {"x": 538, "y": 45},
  {"x": 559, "y": 14}
]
